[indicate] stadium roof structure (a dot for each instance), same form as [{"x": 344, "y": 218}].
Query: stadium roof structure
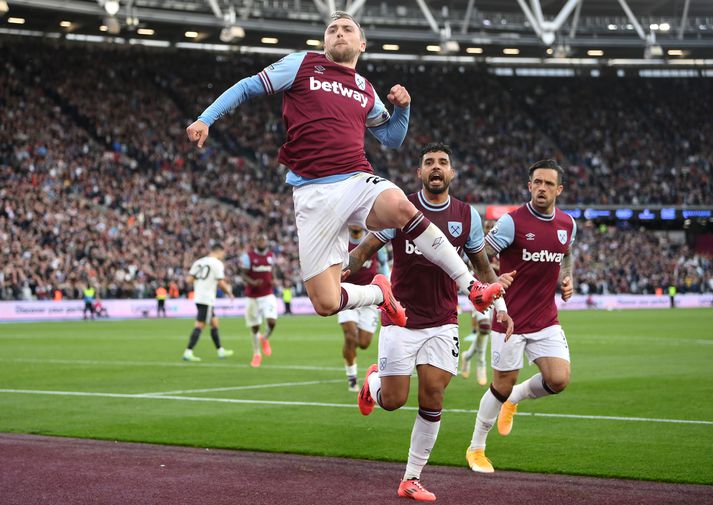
[{"x": 667, "y": 32}]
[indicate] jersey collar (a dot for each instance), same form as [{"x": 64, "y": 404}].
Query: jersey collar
[
  {"x": 429, "y": 206},
  {"x": 539, "y": 215}
]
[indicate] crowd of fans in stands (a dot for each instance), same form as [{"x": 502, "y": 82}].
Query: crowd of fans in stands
[{"x": 98, "y": 184}]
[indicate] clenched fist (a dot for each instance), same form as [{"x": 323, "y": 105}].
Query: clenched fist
[
  {"x": 399, "y": 96},
  {"x": 198, "y": 132}
]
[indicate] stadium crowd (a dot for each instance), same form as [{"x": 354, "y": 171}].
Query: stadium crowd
[{"x": 98, "y": 184}]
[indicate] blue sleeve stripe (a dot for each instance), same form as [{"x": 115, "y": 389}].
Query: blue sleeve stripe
[
  {"x": 492, "y": 243},
  {"x": 381, "y": 237},
  {"x": 266, "y": 83},
  {"x": 476, "y": 250}
]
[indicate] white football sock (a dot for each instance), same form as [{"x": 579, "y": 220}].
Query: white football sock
[
  {"x": 436, "y": 248},
  {"x": 256, "y": 343},
  {"x": 423, "y": 438},
  {"x": 374, "y": 386},
  {"x": 487, "y": 415},
  {"x": 362, "y": 296},
  {"x": 473, "y": 347},
  {"x": 532, "y": 388},
  {"x": 481, "y": 347},
  {"x": 351, "y": 370}
]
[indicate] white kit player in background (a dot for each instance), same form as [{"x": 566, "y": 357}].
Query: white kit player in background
[{"x": 206, "y": 275}]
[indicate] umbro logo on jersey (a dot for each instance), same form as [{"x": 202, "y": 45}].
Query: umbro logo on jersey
[
  {"x": 319, "y": 69},
  {"x": 530, "y": 236},
  {"x": 338, "y": 89}
]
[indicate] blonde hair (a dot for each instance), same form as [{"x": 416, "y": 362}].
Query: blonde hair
[{"x": 345, "y": 15}]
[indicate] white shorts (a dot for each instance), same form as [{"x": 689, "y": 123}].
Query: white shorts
[
  {"x": 479, "y": 316},
  {"x": 401, "y": 349},
  {"x": 257, "y": 309},
  {"x": 549, "y": 342},
  {"x": 366, "y": 318},
  {"x": 322, "y": 213}
]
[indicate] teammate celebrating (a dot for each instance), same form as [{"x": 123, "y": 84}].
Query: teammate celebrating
[
  {"x": 480, "y": 330},
  {"x": 429, "y": 342},
  {"x": 536, "y": 239},
  {"x": 326, "y": 108},
  {"x": 360, "y": 324},
  {"x": 206, "y": 274},
  {"x": 257, "y": 265}
]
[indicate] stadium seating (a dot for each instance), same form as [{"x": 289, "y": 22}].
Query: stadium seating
[{"x": 98, "y": 182}]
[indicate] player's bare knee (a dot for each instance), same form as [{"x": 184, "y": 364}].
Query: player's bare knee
[
  {"x": 325, "y": 307},
  {"x": 350, "y": 339},
  {"x": 503, "y": 383},
  {"x": 557, "y": 382},
  {"x": 432, "y": 398},
  {"x": 392, "y": 400},
  {"x": 364, "y": 340}
]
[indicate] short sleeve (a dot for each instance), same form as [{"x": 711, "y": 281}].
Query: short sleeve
[
  {"x": 386, "y": 235},
  {"x": 502, "y": 234},
  {"x": 245, "y": 261},
  {"x": 476, "y": 239},
  {"x": 279, "y": 76},
  {"x": 219, "y": 270}
]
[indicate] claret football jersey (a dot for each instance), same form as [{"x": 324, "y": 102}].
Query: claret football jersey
[{"x": 534, "y": 244}]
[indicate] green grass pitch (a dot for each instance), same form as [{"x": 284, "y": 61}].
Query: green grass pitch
[{"x": 655, "y": 366}]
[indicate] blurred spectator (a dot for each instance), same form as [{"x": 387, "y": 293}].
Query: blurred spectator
[{"x": 98, "y": 183}]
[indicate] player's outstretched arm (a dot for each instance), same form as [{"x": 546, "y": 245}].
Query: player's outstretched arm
[
  {"x": 236, "y": 95},
  {"x": 276, "y": 78}
]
